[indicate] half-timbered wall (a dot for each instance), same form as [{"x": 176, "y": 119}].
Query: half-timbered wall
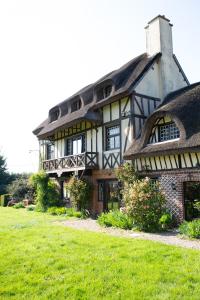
[
  {"x": 128, "y": 113},
  {"x": 168, "y": 162}
]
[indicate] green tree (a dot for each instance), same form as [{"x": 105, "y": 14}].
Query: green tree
[
  {"x": 20, "y": 188},
  {"x": 5, "y": 177},
  {"x": 47, "y": 192}
]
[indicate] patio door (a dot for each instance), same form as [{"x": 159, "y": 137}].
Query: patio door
[
  {"x": 109, "y": 194},
  {"x": 191, "y": 196}
]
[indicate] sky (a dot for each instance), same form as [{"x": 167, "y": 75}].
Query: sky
[{"x": 49, "y": 49}]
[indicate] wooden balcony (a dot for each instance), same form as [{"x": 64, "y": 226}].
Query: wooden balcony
[{"x": 87, "y": 160}]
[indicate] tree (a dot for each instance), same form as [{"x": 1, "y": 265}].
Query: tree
[
  {"x": 47, "y": 192},
  {"x": 20, "y": 188},
  {"x": 5, "y": 177}
]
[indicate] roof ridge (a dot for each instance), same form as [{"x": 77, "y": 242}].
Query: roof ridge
[{"x": 172, "y": 95}]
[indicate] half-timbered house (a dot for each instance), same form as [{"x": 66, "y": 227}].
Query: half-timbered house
[
  {"x": 89, "y": 133},
  {"x": 168, "y": 149}
]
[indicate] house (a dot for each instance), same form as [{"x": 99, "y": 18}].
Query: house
[
  {"x": 168, "y": 149},
  {"x": 129, "y": 114}
]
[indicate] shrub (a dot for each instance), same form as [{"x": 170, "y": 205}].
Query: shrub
[
  {"x": 85, "y": 214},
  {"x": 126, "y": 174},
  {"x": 166, "y": 221},
  {"x": 197, "y": 205},
  {"x": 47, "y": 192},
  {"x": 30, "y": 208},
  {"x": 190, "y": 229},
  {"x": 57, "y": 210},
  {"x": 115, "y": 219},
  {"x": 69, "y": 212},
  {"x": 5, "y": 199},
  {"x": 19, "y": 205},
  {"x": 80, "y": 192},
  {"x": 78, "y": 214},
  {"x": 145, "y": 204}
]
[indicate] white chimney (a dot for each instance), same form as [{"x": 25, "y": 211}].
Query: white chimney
[
  {"x": 159, "y": 39},
  {"x": 159, "y": 36}
]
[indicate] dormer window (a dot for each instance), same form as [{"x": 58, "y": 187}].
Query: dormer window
[
  {"x": 76, "y": 105},
  {"x": 164, "y": 130},
  {"x": 107, "y": 91},
  {"x": 53, "y": 115},
  {"x": 104, "y": 92}
]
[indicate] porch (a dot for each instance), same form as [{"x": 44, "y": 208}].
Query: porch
[{"x": 70, "y": 163}]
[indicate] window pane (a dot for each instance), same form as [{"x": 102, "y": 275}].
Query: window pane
[
  {"x": 169, "y": 132},
  {"x": 113, "y": 137},
  {"x": 75, "y": 148},
  {"x": 50, "y": 151},
  {"x": 113, "y": 130},
  {"x": 68, "y": 147},
  {"x": 83, "y": 144},
  {"x": 100, "y": 191},
  {"x": 111, "y": 143},
  {"x": 117, "y": 142}
]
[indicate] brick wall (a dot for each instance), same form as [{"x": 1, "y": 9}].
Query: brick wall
[{"x": 172, "y": 183}]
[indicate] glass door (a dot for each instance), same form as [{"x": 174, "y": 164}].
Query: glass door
[
  {"x": 191, "y": 197},
  {"x": 111, "y": 200}
]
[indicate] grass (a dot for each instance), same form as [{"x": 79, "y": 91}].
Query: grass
[{"x": 41, "y": 260}]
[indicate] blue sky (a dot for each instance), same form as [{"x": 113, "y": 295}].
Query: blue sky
[{"x": 51, "y": 49}]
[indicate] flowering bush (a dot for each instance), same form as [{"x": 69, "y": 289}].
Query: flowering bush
[
  {"x": 126, "y": 174},
  {"x": 144, "y": 203},
  {"x": 80, "y": 192}
]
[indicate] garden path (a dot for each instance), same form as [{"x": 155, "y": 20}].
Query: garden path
[{"x": 170, "y": 238}]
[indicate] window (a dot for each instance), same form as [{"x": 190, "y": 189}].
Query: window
[
  {"x": 75, "y": 145},
  {"x": 54, "y": 115},
  {"x": 50, "y": 154},
  {"x": 104, "y": 92},
  {"x": 100, "y": 191},
  {"x": 76, "y": 105},
  {"x": 107, "y": 90},
  {"x": 113, "y": 137},
  {"x": 168, "y": 132}
]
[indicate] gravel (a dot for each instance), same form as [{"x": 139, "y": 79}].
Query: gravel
[{"x": 170, "y": 238}]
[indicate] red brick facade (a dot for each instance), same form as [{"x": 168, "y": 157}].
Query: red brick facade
[{"x": 172, "y": 183}]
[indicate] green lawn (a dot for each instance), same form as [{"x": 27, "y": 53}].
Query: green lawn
[{"x": 40, "y": 259}]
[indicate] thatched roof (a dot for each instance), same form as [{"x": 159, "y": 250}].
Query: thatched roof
[
  {"x": 183, "y": 107},
  {"x": 122, "y": 81}
]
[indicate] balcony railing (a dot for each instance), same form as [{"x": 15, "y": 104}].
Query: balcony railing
[{"x": 86, "y": 160}]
